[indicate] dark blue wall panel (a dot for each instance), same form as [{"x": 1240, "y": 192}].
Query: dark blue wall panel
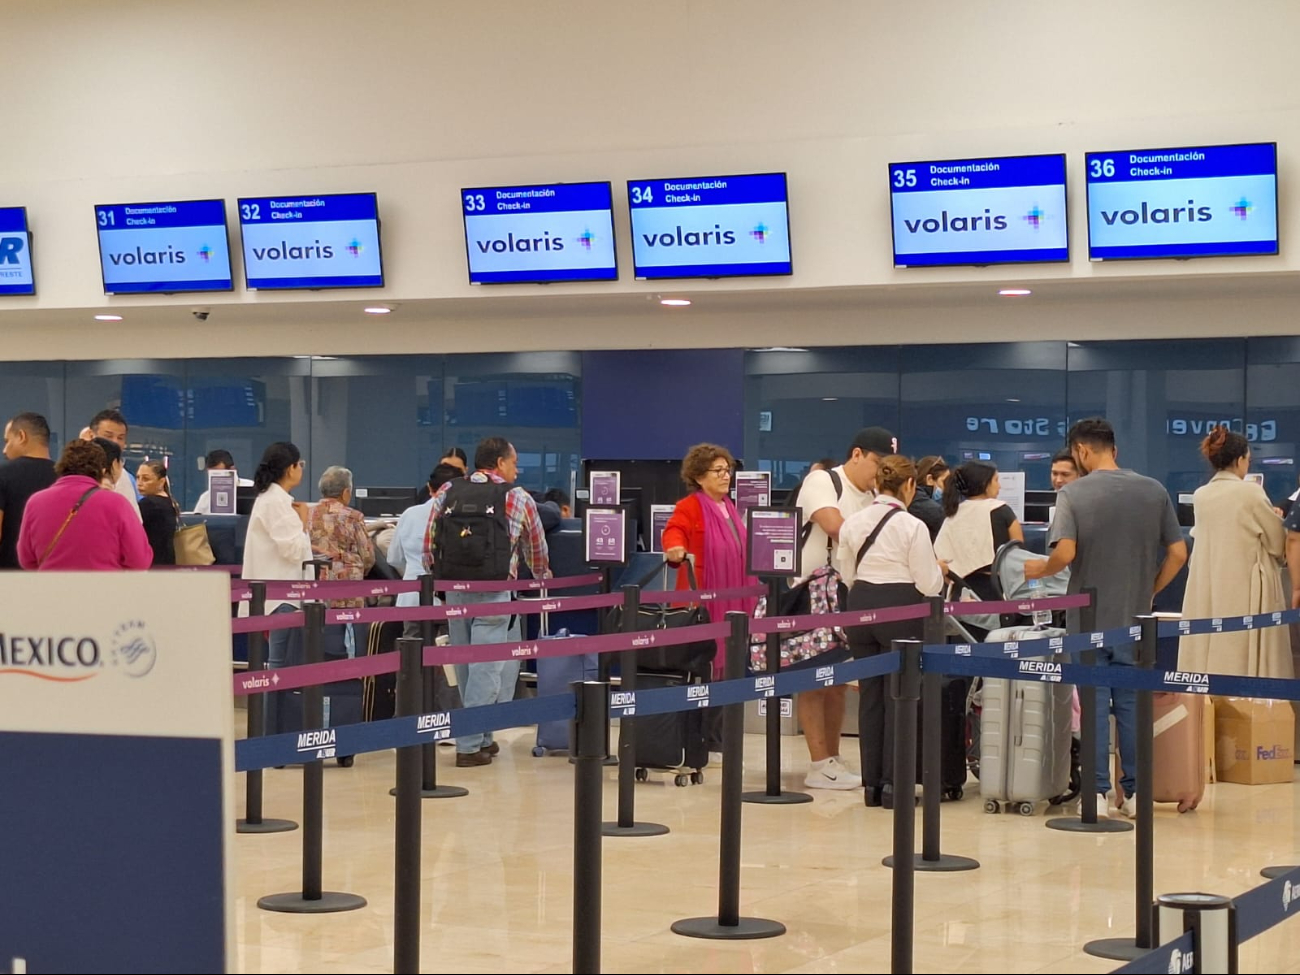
[{"x": 653, "y": 405}]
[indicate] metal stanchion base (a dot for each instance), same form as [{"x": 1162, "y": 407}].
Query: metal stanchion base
[
  {"x": 265, "y": 826},
  {"x": 1073, "y": 824},
  {"x": 1116, "y": 949},
  {"x": 439, "y": 792},
  {"x": 1272, "y": 873},
  {"x": 636, "y": 829},
  {"x": 780, "y": 799},
  {"x": 749, "y": 928},
  {"x": 330, "y": 902},
  {"x": 947, "y": 863}
]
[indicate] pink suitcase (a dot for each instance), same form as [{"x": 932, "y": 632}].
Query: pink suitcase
[{"x": 1179, "y": 761}]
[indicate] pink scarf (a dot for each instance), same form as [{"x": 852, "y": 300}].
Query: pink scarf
[{"x": 724, "y": 556}]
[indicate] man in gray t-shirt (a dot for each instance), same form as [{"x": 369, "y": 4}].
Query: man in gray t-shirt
[{"x": 1118, "y": 533}]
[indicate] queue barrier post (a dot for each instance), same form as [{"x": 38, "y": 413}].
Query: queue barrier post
[
  {"x": 772, "y": 794},
  {"x": 407, "y": 828},
  {"x": 253, "y": 822},
  {"x": 728, "y": 925},
  {"x": 311, "y": 899},
  {"x": 931, "y": 859},
  {"x": 589, "y": 746},
  {"x": 1123, "y": 949},
  {"x": 1212, "y": 921},
  {"x": 1088, "y": 821},
  {"x": 626, "y": 824},
  {"x": 905, "y": 689},
  {"x": 429, "y": 787}
]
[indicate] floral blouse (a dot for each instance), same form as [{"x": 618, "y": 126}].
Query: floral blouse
[{"x": 339, "y": 533}]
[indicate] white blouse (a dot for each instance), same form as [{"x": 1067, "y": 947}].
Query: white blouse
[
  {"x": 277, "y": 544},
  {"x": 901, "y": 554}
]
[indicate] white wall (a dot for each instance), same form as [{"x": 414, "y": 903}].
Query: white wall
[{"x": 132, "y": 100}]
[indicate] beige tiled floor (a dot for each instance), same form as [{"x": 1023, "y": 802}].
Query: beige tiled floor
[{"x": 497, "y": 868}]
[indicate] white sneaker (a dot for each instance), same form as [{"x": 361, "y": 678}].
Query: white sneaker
[
  {"x": 831, "y": 774},
  {"x": 1103, "y": 806},
  {"x": 1130, "y": 807}
]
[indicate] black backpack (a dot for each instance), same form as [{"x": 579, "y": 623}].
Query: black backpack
[{"x": 472, "y": 537}]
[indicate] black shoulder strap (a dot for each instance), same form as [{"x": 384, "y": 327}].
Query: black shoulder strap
[
  {"x": 805, "y": 533},
  {"x": 871, "y": 539}
]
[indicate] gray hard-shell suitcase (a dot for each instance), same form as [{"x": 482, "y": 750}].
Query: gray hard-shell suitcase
[{"x": 1027, "y": 752}]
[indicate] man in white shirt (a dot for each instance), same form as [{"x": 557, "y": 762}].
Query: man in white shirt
[
  {"x": 827, "y": 499},
  {"x": 111, "y": 425}
]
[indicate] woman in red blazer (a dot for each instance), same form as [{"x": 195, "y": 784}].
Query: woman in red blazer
[{"x": 706, "y": 525}]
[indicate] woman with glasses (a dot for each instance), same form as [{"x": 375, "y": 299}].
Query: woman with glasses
[{"x": 706, "y": 526}]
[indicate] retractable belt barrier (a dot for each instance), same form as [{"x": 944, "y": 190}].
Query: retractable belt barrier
[
  {"x": 1121, "y": 676},
  {"x": 1252, "y": 913},
  {"x": 356, "y": 739},
  {"x": 241, "y": 591}
]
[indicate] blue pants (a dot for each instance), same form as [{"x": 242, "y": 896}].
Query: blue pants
[
  {"x": 277, "y": 646},
  {"x": 1123, "y": 702},
  {"x": 492, "y": 682}
]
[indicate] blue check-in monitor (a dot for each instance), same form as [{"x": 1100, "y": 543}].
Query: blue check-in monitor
[
  {"x": 330, "y": 240},
  {"x": 710, "y": 226},
  {"x": 539, "y": 234},
  {"x": 164, "y": 248},
  {"x": 1205, "y": 201},
  {"x": 998, "y": 210},
  {"x": 16, "y": 276}
]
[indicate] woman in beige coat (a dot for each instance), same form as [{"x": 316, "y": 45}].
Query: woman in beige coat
[{"x": 1235, "y": 568}]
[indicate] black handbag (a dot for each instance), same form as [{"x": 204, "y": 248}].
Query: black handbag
[{"x": 687, "y": 658}]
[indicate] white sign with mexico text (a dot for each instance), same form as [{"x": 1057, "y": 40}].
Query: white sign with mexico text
[{"x": 116, "y": 732}]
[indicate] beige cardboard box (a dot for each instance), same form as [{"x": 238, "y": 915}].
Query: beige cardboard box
[{"x": 1255, "y": 740}]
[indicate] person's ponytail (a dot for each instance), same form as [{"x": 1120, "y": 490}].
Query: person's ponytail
[
  {"x": 276, "y": 461},
  {"x": 970, "y": 480}
]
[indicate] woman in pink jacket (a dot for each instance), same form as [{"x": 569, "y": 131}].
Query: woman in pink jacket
[{"x": 76, "y": 525}]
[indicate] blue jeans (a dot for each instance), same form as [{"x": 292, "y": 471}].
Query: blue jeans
[
  {"x": 277, "y": 646},
  {"x": 1123, "y": 701},
  {"x": 492, "y": 682}
]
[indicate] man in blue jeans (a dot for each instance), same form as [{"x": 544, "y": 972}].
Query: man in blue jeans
[
  {"x": 478, "y": 528},
  {"x": 1118, "y": 533}
]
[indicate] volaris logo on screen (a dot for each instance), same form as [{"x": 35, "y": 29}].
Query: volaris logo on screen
[
  {"x": 172, "y": 255},
  {"x": 946, "y": 222},
  {"x": 537, "y": 243}
]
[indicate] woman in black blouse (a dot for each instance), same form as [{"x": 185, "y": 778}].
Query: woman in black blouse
[{"x": 158, "y": 510}]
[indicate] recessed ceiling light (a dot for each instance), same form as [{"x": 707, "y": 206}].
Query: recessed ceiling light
[
  {"x": 675, "y": 302},
  {"x": 108, "y": 318},
  {"x": 1014, "y": 292},
  {"x": 830, "y": 399},
  {"x": 378, "y": 310}
]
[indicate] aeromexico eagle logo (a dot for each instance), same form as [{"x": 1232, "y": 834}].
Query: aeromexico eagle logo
[{"x": 65, "y": 658}]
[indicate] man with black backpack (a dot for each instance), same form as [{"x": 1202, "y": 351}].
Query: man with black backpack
[{"x": 478, "y": 528}]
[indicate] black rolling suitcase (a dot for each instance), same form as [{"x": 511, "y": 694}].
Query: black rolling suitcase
[
  {"x": 672, "y": 743},
  {"x": 953, "y": 746}
]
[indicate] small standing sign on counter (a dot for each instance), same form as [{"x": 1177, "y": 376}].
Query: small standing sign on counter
[
  {"x": 659, "y": 515},
  {"x": 753, "y": 490},
  {"x": 773, "y": 548},
  {"x": 1013, "y": 491},
  {"x": 221, "y": 491},
  {"x": 605, "y": 533},
  {"x": 605, "y": 487}
]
